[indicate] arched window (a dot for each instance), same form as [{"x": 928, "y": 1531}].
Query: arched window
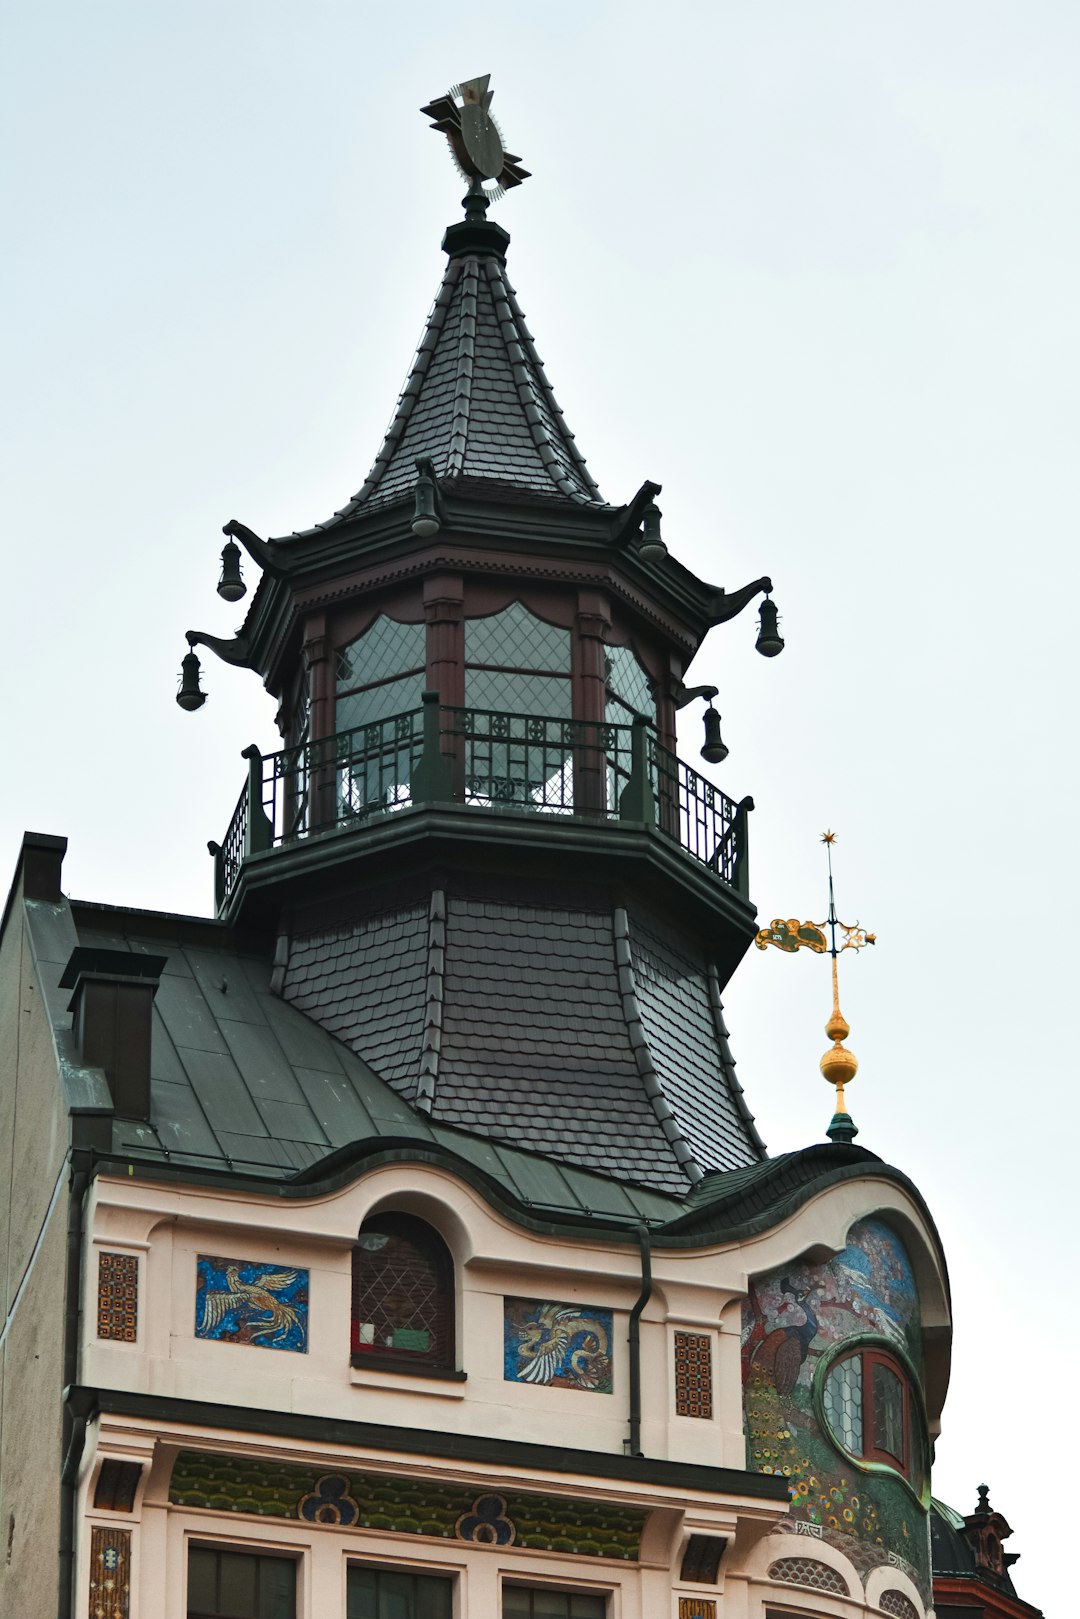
[
  {"x": 402, "y": 1295},
  {"x": 872, "y": 1411}
]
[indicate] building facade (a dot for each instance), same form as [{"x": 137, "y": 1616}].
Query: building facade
[{"x": 399, "y": 1243}]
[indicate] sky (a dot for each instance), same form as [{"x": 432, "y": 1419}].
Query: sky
[{"x": 812, "y": 265}]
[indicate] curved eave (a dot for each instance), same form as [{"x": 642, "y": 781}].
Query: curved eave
[{"x": 724, "y": 1220}]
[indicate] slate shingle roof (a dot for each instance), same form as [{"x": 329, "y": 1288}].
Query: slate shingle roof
[
  {"x": 478, "y": 403},
  {"x": 521, "y": 1022}
]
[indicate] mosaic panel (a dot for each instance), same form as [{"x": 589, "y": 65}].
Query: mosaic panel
[
  {"x": 390, "y": 1503},
  {"x": 793, "y": 1317},
  {"x": 565, "y": 1346},
  {"x": 697, "y": 1608},
  {"x": 241, "y": 1301},
  {"x": 110, "y": 1573},
  {"x": 118, "y": 1297},
  {"x": 693, "y": 1374}
]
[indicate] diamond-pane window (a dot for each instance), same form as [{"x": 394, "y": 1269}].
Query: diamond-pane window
[
  {"x": 403, "y": 1293},
  {"x": 516, "y": 693},
  {"x": 843, "y": 1403},
  {"x": 628, "y": 686},
  {"x": 386, "y": 649},
  {"x": 379, "y": 702},
  {"x": 517, "y": 639}
]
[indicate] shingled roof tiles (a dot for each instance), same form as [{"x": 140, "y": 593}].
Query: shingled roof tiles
[
  {"x": 534, "y": 1044},
  {"x": 684, "y": 1040},
  {"x": 365, "y": 983},
  {"x": 478, "y": 403}
]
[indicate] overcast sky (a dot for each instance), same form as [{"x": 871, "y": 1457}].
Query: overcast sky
[{"x": 813, "y": 266}]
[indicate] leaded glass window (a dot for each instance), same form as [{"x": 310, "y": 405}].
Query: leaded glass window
[
  {"x": 239, "y": 1585},
  {"x": 629, "y": 689},
  {"x": 526, "y": 1602},
  {"x": 403, "y": 1293},
  {"x": 517, "y": 664},
  {"x": 380, "y": 674},
  {"x": 872, "y": 1411},
  {"x": 843, "y": 1403},
  {"x": 388, "y": 1593}
]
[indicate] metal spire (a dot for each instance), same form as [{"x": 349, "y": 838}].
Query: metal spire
[{"x": 839, "y": 1065}]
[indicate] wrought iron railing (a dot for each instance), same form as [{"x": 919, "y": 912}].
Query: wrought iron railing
[{"x": 490, "y": 760}]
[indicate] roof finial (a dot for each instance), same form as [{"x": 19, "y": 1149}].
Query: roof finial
[
  {"x": 464, "y": 117},
  {"x": 839, "y": 1065}
]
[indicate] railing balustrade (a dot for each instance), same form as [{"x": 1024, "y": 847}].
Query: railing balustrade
[{"x": 487, "y": 759}]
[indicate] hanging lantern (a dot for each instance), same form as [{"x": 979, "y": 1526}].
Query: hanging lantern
[
  {"x": 426, "y": 515},
  {"x": 231, "y": 585},
  {"x": 190, "y": 697},
  {"x": 652, "y": 547},
  {"x": 714, "y": 751},
  {"x": 769, "y": 641}
]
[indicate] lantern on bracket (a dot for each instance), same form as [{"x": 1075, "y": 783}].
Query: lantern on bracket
[
  {"x": 652, "y": 547},
  {"x": 769, "y": 642},
  {"x": 190, "y": 695},
  {"x": 714, "y": 751},
  {"x": 231, "y": 585}
]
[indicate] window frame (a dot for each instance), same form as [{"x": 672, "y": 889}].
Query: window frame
[
  {"x": 873, "y": 1352},
  {"x": 429, "y": 1241},
  {"x": 260, "y": 1553},
  {"x": 516, "y": 1582},
  {"x": 377, "y": 1566}
]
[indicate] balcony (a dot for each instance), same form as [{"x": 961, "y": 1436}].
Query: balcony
[{"x": 492, "y": 762}]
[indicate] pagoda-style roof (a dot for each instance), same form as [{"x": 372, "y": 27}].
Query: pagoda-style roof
[{"x": 477, "y": 403}]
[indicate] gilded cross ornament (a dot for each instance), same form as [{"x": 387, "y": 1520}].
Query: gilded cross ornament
[
  {"x": 839, "y": 1065},
  {"x": 464, "y": 117}
]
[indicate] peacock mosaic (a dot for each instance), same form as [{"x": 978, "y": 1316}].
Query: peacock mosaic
[
  {"x": 560, "y": 1345},
  {"x": 405, "y": 1506},
  {"x": 794, "y": 1320},
  {"x": 242, "y": 1301}
]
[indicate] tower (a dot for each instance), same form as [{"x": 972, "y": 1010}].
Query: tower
[{"x": 421, "y": 1254}]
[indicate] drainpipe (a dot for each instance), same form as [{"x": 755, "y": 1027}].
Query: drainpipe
[
  {"x": 635, "y": 1341},
  {"x": 76, "y": 1411}
]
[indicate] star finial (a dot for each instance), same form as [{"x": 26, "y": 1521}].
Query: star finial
[{"x": 828, "y": 837}]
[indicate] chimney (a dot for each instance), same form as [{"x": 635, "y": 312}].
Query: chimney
[{"x": 111, "y": 1007}]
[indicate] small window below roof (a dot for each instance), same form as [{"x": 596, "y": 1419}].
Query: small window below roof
[{"x": 402, "y": 1296}]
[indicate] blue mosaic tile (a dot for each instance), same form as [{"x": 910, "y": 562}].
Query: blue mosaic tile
[
  {"x": 240, "y": 1301},
  {"x": 562, "y": 1345}
]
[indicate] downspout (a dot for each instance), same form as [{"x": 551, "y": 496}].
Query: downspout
[
  {"x": 76, "y": 1411},
  {"x": 635, "y": 1340}
]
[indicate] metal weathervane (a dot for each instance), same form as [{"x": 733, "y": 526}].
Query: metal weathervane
[
  {"x": 464, "y": 117},
  {"x": 839, "y": 1065}
]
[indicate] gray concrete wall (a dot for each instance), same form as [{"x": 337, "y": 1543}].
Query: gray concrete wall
[{"x": 33, "y": 1145}]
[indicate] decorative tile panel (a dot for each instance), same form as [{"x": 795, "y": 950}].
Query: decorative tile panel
[
  {"x": 697, "y": 1608},
  {"x": 118, "y": 1297},
  {"x": 561, "y": 1345},
  {"x": 242, "y": 1301},
  {"x": 808, "y": 1571},
  {"x": 898, "y": 1605},
  {"x": 110, "y": 1574},
  {"x": 693, "y": 1374},
  {"x": 390, "y": 1503}
]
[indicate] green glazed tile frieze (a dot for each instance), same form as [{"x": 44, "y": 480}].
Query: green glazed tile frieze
[{"x": 404, "y": 1506}]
